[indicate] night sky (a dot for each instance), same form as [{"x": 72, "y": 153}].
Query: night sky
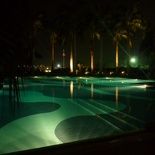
[{"x": 26, "y": 11}]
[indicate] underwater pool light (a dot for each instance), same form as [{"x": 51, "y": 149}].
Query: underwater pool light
[{"x": 141, "y": 86}]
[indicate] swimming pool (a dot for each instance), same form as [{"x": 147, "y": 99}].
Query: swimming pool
[{"x": 56, "y": 110}]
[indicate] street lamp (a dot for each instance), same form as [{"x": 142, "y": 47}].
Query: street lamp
[{"x": 132, "y": 60}]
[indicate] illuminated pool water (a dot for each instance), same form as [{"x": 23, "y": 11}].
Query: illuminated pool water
[{"x": 59, "y": 110}]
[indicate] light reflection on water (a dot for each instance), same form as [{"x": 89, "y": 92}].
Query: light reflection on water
[
  {"x": 71, "y": 88},
  {"x": 126, "y": 91},
  {"x": 92, "y": 90},
  {"x": 116, "y": 97}
]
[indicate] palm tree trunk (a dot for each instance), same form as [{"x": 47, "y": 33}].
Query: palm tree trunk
[
  {"x": 71, "y": 59},
  {"x": 91, "y": 56},
  {"x": 52, "y": 65},
  {"x": 33, "y": 56},
  {"x": 92, "y": 60},
  {"x": 116, "y": 56},
  {"x": 101, "y": 55},
  {"x": 53, "y": 40},
  {"x": 128, "y": 56},
  {"x": 74, "y": 50},
  {"x": 32, "y": 46}
]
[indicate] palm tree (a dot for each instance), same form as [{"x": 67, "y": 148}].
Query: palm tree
[
  {"x": 127, "y": 23},
  {"x": 68, "y": 27},
  {"x": 9, "y": 61},
  {"x": 100, "y": 24},
  {"x": 119, "y": 34},
  {"x": 93, "y": 35},
  {"x": 37, "y": 25},
  {"x": 53, "y": 37},
  {"x": 14, "y": 46},
  {"x": 135, "y": 21},
  {"x": 68, "y": 34}
]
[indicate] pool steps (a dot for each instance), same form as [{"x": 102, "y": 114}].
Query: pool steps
[{"x": 110, "y": 115}]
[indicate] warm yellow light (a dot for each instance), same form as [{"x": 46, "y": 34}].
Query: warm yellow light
[
  {"x": 111, "y": 73},
  {"x": 71, "y": 63},
  {"x": 71, "y": 60},
  {"x": 92, "y": 61},
  {"x": 86, "y": 72},
  {"x": 47, "y": 70}
]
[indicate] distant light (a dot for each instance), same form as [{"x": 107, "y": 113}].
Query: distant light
[
  {"x": 86, "y": 72},
  {"x": 47, "y": 70},
  {"x": 58, "y": 65},
  {"x": 111, "y": 72}
]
